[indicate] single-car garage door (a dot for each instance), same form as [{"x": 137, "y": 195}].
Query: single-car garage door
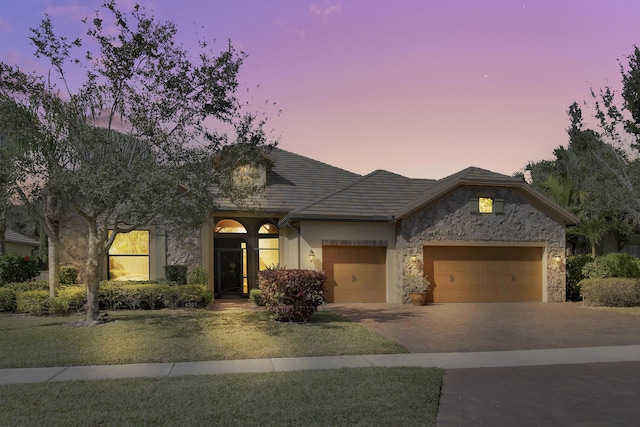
[
  {"x": 354, "y": 273},
  {"x": 484, "y": 273}
]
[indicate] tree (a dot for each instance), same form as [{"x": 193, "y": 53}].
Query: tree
[
  {"x": 129, "y": 146},
  {"x": 597, "y": 176}
]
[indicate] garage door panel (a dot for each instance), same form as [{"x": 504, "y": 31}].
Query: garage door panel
[
  {"x": 355, "y": 273},
  {"x": 484, "y": 274}
]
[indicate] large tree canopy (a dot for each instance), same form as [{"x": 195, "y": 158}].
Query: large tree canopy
[
  {"x": 118, "y": 131},
  {"x": 597, "y": 176}
]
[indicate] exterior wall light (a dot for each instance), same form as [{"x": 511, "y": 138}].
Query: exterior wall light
[
  {"x": 556, "y": 259},
  {"x": 311, "y": 255},
  {"x": 414, "y": 258}
]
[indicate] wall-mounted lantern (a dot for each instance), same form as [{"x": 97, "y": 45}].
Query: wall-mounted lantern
[{"x": 311, "y": 255}]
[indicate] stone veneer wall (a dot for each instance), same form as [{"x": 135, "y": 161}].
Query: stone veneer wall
[
  {"x": 450, "y": 219},
  {"x": 184, "y": 249}
]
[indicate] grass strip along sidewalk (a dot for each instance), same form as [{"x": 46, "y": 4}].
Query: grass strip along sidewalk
[
  {"x": 358, "y": 396},
  {"x": 180, "y": 336}
]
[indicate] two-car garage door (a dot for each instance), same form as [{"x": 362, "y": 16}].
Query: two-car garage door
[{"x": 484, "y": 274}]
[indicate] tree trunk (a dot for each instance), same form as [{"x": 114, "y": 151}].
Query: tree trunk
[
  {"x": 3, "y": 229},
  {"x": 593, "y": 251},
  {"x": 53, "y": 213},
  {"x": 54, "y": 266},
  {"x": 92, "y": 275}
]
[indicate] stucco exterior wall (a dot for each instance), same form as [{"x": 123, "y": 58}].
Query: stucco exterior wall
[
  {"x": 450, "y": 220},
  {"x": 18, "y": 249},
  {"x": 348, "y": 234}
]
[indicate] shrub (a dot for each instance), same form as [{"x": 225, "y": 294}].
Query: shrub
[
  {"x": 612, "y": 265},
  {"x": 190, "y": 296},
  {"x": 69, "y": 299},
  {"x": 36, "y": 285},
  {"x": 7, "y": 300},
  {"x": 33, "y": 302},
  {"x": 197, "y": 276},
  {"x": 176, "y": 274},
  {"x": 255, "y": 295},
  {"x": 611, "y": 292},
  {"x": 575, "y": 264},
  {"x": 152, "y": 296},
  {"x": 16, "y": 268},
  {"x": 68, "y": 275},
  {"x": 292, "y": 295}
]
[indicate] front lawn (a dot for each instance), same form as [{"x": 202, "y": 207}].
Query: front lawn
[
  {"x": 178, "y": 336},
  {"x": 357, "y": 396}
]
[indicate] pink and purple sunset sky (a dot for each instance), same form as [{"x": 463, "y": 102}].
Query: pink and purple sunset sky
[{"x": 422, "y": 88}]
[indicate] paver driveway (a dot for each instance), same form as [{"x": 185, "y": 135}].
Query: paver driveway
[
  {"x": 595, "y": 394},
  {"x": 440, "y": 328}
]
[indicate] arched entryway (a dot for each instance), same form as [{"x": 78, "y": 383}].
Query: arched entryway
[{"x": 243, "y": 247}]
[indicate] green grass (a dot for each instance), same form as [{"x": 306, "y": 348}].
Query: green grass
[
  {"x": 178, "y": 336},
  {"x": 358, "y": 396}
]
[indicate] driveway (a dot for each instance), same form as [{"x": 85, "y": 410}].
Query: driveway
[
  {"x": 464, "y": 327},
  {"x": 595, "y": 394}
]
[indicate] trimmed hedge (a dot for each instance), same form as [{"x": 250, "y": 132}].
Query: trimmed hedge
[
  {"x": 36, "y": 285},
  {"x": 292, "y": 295},
  {"x": 612, "y": 265},
  {"x": 112, "y": 296},
  {"x": 7, "y": 300},
  {"x": 611, "y": 292},
  {"x": 152, "y": 296}
]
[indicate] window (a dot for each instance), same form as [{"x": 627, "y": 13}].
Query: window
[
  {"x": 229, "y": 226},
  {"x": 129, "y": 256},
  {"x": 268, "y": 250},
  {"x": 268, "y": 253},
  {"x": 268, "y": 228},
  {"x": 487, "y": 205}
]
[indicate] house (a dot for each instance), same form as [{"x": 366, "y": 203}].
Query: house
[
  {"x": 477, "y": 235},
  {"x": 19, "y": 244}
]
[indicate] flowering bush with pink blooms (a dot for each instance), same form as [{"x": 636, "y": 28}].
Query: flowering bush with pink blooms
[{"x": 292, "y": 295}]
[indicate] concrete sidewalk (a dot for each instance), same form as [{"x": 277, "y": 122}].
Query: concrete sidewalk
[{"x": 449, "y": 361}]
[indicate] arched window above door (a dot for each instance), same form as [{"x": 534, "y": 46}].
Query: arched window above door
[
  {"x": 268, "y": 228},
  {"x": 229, "y": 226}
]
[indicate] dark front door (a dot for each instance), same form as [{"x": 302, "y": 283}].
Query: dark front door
[{"x": 229, "y": 271}]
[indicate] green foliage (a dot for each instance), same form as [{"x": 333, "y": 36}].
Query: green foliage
[
  {"x": 416, "y": 283},
  {"x": 33, "y": 302},
  {"x": 255, "y": 295},
  {"x": 113, "y": 296},
  {"x": 68, "y": 275},
  {"x": 611, "y": 292},
  {"x": 163, "y": 97},
  {"x": 575, "y": 264},
  {"x": 152, "y": 296},
  {"x": 197, "y": 276},
  {"x": 7, "y": 299},
  {"x": 176, "y": 274},
  {"x": 612, "y": 265},
  {"x": 16, "y": 268},
  {"x": 292, "y": 295},
  {"x": 36, "y": 285},
  {"x": 68, "y": 299}
]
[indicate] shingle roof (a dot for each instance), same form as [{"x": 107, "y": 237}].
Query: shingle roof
[
  {"x": 295, "y": 181},
  {"x": 15, "y": 237},
  {"x": 302, "y": 188},
  {"x": 375, "y": 196}
]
